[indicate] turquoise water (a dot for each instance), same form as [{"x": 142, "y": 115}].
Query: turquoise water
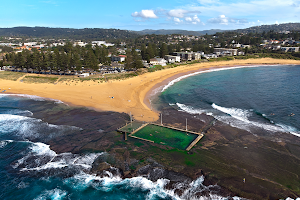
[{"x": 264, "y": 98}]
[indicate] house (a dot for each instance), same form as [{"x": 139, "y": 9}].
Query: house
[
  {"x": 158, "y": 61},
  {"x": 83, "y": 75},
  {"x": 184, "y": 55},
  {"x": 290, "y": 49},
  {"x": 172, "y": 59},
  {"x": 79, "y": 43},
  {"x": 225, "y": 52},
  {"x": 238, "y": 45},
  {"x": 196, "y": 56},
  {"x": 99, "y": 43},
  {"x": 30, "y": 43},
  {"x": 120, "y": 58},
  {"x": 246, "y": 45}
]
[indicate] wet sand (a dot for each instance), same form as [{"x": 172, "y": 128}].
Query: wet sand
[{"x": 128, "y": 96}]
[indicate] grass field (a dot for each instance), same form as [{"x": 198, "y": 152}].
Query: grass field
[
  {"x": 166, "y": 136},
  {"x": 10, "y": 75},
  {"x": 39, "y": 79}
]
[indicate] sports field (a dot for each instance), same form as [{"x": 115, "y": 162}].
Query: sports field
[{"x": 167, "y": 136}]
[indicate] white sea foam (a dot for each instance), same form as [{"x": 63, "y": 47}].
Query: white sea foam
[
  {"x": 3, "y": 143},
  {"x": 205, "y": 71},
  {"x": 45, "y": 158},
  {"x": 238, "y": 118},
  {"x": 28, "y": 127},
  {"x": 189, "y": 109},
  {"x": 154, "y": 189},
  {"x": 33, "y": 97},
  {"x": 55, "y": 194}
]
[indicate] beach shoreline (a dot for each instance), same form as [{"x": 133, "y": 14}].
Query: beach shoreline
[{"x": 130, "y": 95}]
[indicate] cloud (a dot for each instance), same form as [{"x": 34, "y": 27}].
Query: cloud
[
  {"x": 145, "y": 14},
  {"x": 196, "y": 19},
  {"x": 188, "y": 19},
  {"x": 222, "y": 19},
  {"x": 192, "y": 19},
  {"x": 205, "y": 2},
  {"x": 179, "y": 13},
  {"x": 177, "y": 20},
  {"x": 219, "y": 20}
]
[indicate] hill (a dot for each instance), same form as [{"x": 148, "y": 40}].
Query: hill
[
  {"x": 273, "y": 27},
  {"x": 178, "y": 31},
  {"x": 68, "y": 33}
]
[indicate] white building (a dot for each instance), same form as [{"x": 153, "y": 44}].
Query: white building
[
  {"x": 79, "y": 43},
  {"x": 30, "y": 44},
  {"x": 83, "y": 75},
  {"x": 158, "y": 61},
  {"x": 172, "y": 59},
  {"x": 225, "y": 52},
  {"x": 290, "y": 49},
  {"x": 55, "y": 44},
  {"x": 99, "y": 43}
]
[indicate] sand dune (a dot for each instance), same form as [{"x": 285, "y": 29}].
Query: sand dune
[{"x": 130, "y": 95}]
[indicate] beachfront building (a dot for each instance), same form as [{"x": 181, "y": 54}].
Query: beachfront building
[
  {"x": 290, "y": 49},
  {"x": 83, "y": 75},
  {"x": 188, "y": 56},
  {"x": 225, "y": 52},
  {"x": 158, "y": 61},
  {"x": 184, "y": 55},
  {"x": 172, "y": 59}
]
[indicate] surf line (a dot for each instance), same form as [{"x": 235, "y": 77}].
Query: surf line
[{"x": 207, "y": 71}]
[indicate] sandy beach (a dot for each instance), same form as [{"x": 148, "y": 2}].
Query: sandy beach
[{"x": 130, "y": 95}]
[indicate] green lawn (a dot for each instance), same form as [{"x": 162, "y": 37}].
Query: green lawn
[{"x": 167, "y": 136}]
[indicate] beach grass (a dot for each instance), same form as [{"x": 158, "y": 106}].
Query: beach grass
[
  {"x": 166, "y": 136},
  {"x": 39, "y": 79},
  {"x": 7, "y": 75}
]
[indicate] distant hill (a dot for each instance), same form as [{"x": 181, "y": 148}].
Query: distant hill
[
  {"x": 68, "y": 33},
  {"x": 274, "y": 27},
  {"x": 113, "y": 34},
  {"x": 177, "y": 31}
]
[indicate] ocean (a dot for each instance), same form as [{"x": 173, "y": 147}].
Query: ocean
[
  {"x": 30, "y": 169},
  {"x": 251, "y": 98}
]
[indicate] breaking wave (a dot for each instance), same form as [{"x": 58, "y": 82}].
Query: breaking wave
[
  {"x": 205, "y": 71},
  {"x": 32, "y": 97},
  {"x": 27, "y": 127},
  {"x": 76, "y": 177},
  {"x": 239, "y": 118}
]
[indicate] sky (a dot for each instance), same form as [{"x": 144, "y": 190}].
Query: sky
[{"x": 195, "y": 15}]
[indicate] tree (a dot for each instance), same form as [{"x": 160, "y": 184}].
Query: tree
[
  {"x": 137, "y": 62},
  {"x": 149, "y": 51},
  {"x": 246, "y": 50},
  {"x": 128, "y": 60},
  {"x": 163, "y": 50},
  {"x": 143, "y": 52},
  {"x": 1, "y": 64}
]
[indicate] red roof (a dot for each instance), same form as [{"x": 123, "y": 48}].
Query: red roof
[{"x": 122, "y": 56}]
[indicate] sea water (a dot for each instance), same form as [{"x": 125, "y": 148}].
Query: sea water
[
  {"x": 254, "y": 98},
  {"x": 30, "y": 169}
]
